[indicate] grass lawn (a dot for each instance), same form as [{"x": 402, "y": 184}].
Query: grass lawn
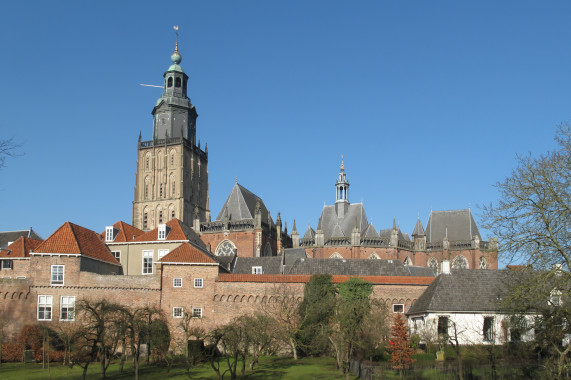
[{"x": 269, "y": 368}]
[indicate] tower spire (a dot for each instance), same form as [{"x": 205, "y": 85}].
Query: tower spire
[{"x": 342, "y": 185}]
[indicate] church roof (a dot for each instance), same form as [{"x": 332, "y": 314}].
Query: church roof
[
  {"x": 333, "y": 226},
  {"x": 370, "y": 232},
  {"x": 357, "y": 267},
  {"x": 309, "y": 233},
  {"x": 458, "y": 225},
  {"x": 7, "y": 237},
  {"x": 455, "y": 292},
  {"x": 125, "y": 232},
  {"x": 418, "y": 229},
  {"x": 188, "y": 253},
  {"x": 241, "y": 204},
  {"x": 20, "y": 248},
  {"x": 176, "y": 231},
  {"x": 73, "y": 239}
]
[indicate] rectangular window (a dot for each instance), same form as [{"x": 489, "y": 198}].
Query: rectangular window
[
  {"x": 198, "y": 283},
  {"x": 109, "y": 233},
  {"x": 163, "y": 253},
  {"x": 196, "y": 312},
  {"x": 177, "y": 312},
  {"x": 6, "y": 264},
  {"x": 177, "y": 282},
  {"x": 488, "y": 329},
  {"x": 67, "y": 308},
  {"x": 117, "y": 255},
  {"x": 442, "y": 325},
  {"x": 257, "y": 270},
  {"x": 57, "y": 274},
  {"x": 398, "y": 308},
  {"x": 162, "y": 228},
  {"x": 44, "y": 308},
  {"x": 147, "y": 262}
]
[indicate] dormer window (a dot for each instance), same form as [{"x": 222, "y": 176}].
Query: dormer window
[
  {"x": 109, "y": 233},
  {"x": 162, "y": 232},
  {"x": 257, "y": 270}
]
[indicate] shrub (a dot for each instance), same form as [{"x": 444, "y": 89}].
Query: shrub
[{"x": 12, "y": 352}]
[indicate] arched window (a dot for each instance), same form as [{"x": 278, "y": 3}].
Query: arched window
[
  {"x": 407, "y": 261},
  {"x": 460, "y": 262},
  {"x": 173, "y": 184},
  {"x": 161, "y": 190},
  {"x": 225, "y": 248},
  {"x": 172, "y": 158},
  {"x": 177, "y": 82},
  {"x": 171, "y": 212},
  {"x": 145, "y": 219},
  {"x": 147, "y": 187},
  {"x": 336, "y": 255},
  {"x": 268, "y": 250},
  {"x": 160, "y": 157},
  {"x": 374, "y": 256},
  {"x": 148, "y": 161},
  {"x": 433, "y": 264},
  {"x": 169, "y": 82},
  {"x": 483, "y": 263}
]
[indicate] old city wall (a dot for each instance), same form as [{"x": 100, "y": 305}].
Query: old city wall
[{"x": 17, "y": 307}]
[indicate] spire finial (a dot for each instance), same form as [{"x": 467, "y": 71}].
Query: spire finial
[
  {"x": 176, "y": 57},
  {"x": 342, "y": 166}
]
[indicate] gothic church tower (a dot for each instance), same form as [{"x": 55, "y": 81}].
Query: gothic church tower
[{"x": 172, "y": 171}]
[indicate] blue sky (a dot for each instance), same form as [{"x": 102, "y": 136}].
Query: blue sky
[{"x": 428, "y": 102}]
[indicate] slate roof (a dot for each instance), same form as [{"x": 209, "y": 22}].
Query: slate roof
[
  {"x": 11, "y": 236},
  {"x": 293, "y": 254},
  {"x": 463, "y": 290},
  {"x": 458, "y": 225},
  {"x": 309, "y": 233},
  {"x": 270, "y": 264},
  {"x": 188, "y": 253},
  {"x": 20, "y": 248},
  {"x": 176, "y": 231},
  {"x": 333, "y": 226},
  {"x": 125, "y": 232},
  {"x": 73, "y": 239},
  {"x": 357, "y": 267},
  {"x": 241, "y": 204},
  {"x": 418, "y": 229}
]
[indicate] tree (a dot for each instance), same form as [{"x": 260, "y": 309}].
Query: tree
[
  {"x": 8, "y": 148},
  {"x": 353, "y": 307},
  {"x": 400, "y": 344},
  {"x": 315, "y": 310},
  {"x": 532, "y": 218}
]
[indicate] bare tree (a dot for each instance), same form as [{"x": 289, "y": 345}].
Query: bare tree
[{"x": 8, "y": 148}]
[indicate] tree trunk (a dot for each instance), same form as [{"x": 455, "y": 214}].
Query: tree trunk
[{"x": 293, "y": 348}]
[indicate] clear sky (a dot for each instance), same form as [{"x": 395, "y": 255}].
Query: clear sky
[{"x": 428, "y": 102}]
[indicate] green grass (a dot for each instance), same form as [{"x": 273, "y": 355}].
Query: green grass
[{"x": 269, "y": 368}]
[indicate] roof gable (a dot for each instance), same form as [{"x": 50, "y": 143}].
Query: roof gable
[
  {"x": 353, "y": 215},
  {"x": 188, "y": 253},
  {"x": 176, "y": 231},
  {"x": 457, "y": 225},
  {"x": 125, "y": 232},
  {"x": 241, "y": 204},
  {"x": 73, "y": 239}
]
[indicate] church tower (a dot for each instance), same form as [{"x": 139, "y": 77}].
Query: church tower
[{"x": 172, "y": 171}]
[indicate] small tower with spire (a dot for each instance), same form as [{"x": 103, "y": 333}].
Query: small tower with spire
[{"x": 342, "y": 186}]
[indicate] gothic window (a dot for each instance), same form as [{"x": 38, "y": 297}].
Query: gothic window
[
  {"x": 147, "y": 186},
  {"x": 169, "y": 82},
  {"x": 407, "y": 261},
  {"x": 225, "y": 248},
  {"x": 172, "y": 158},
  {"x": 160, "y": 216},
  {"x": 336, "y": 255},
  {"x": 374, "y": 256},
  {"x": 172, "y": 214},
  {"x": 171, "y": 211},
  {"x": 483, "y": 263},
  {"x": 433, "y": 264},
  {"x": 173, "y": 184},
  {"x": 177, "y": 82},
  {"x": 145, "y": 219},
  {"x": 161, "y": 190},
  {"x": 268, "y": 250},
  {"x": 460, "y": 262}
]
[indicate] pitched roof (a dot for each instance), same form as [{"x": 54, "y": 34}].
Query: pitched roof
[
  {"x": 332, "y": 225},
  {"x": 176, "y": 231},
  {"x": 73, "y": 239},
  {"x": 455, "y": 292},
  {"x": 418, "y": 229},
  {"x": 241, "y": 204},
  {"x": 309, "y": 233},
  {"x": 20, "y": 248},
  {"x": 11, "y": 236},
  {"x": 125, "y": 232},
  {"x": 270, "y": 264},
  {"x": 371, "y": 232},
  {"x": 458, "y": 225},
  {"x": 357, "y": 267},
  {"x": 188, "y": 253}
]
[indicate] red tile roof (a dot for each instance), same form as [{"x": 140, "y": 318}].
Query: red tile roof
[
  {"x": 304, "y": 278},
  {"x": 20, "y": 248},
  {"x": 175, "y": 232},
  {"x": 187, "y": 253},
  {"x": 73, "y": 239},
  {"x": 126, "y": 232}
]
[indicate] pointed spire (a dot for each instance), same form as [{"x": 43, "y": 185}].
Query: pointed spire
[
  {"x": 294, "y": 227},
  {"x": 140, "y": 136},
  {"x": 394, "y": 224}
]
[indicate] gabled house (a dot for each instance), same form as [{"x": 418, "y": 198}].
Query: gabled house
[{"x": 15, "y": 258}]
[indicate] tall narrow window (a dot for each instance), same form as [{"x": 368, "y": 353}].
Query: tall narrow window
[
  {"x": 443, "y": 326},
  {"x": 145, "y": 220},
  {"x": 173, "y": 183},
  {"x": 67, "y": 308},
  {"x": 172, "y": 159},
  {"x": 161, "y": 190},
  {"x": 109, "y": 233},
  {"x": 488, "y": 329},
  {"x": 172, "y": 214},
  {"x": 169, "y": 82},
  {"x": 45, "y": 308},
  {"x": 162, "y": 233},
  {"x": 147, "y": 262},
  {"x": 57, "y": 275},
  {"x": 160, "y": 216},
  {"x": 177, "y": 82}
]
